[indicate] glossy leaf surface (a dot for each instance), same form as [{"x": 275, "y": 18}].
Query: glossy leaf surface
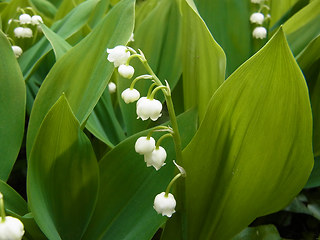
[
  {"x": 12, "y": 108},
  {"x": 204, "y": 61},
  {"x": 83, "y": 83},
  {"x": 228, "y": 22},
  {"x": 304, "y": 26},
  {"x": 129, "y": 188},
  {"x": 63, "y": 175},
  {"x": 253, "y": 151}
]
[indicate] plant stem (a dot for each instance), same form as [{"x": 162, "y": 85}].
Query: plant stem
[
  {"x": 170, "y": 184},
  {"x": 2, "y": 212},
  {"x": 172, "y": 115}
]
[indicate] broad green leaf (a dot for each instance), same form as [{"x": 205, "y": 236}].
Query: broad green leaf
[
  {"x": 309, "y": 54},
  {"x": 103, "y": 122},
  {"x": 314, "y": 178},
  {"x": 99, "y": 12},
  {"x": 12, "y": 108},
  {"x": 12, "y": 200},
  {"x": 253, "y": 151},
  {"x": 204, "y": 62},
  {"x": 63, "y": 175},
  {"x": 264, "y": 232},
  {"x": 309, "y": 60},
  {"x": 59, "y": 45},
  {"x": 160, "y": 43},
  {"x": 45, "y": 7},
  {"x": 65, "y": 7},
  {"x": 302, "y": 27},
  {"x": 228, "y": 22},
  {"x": 65, "y": 28},
  {"x": 83, "y": 72},
  {"x": 125, "y": 205},
  {"x": 279, "y": 8}
]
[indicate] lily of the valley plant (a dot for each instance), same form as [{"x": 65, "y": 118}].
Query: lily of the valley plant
[{"x": 157, "y": 119}]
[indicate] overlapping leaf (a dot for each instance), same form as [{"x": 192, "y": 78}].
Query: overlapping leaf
[
  {"x": 83, "y": 72},
  {"x": 124, "y": 208},
  {"x": 302, "y": 27},
  {"x": 12, "y": 108},
  {"x": 253, "y": 151},
  {"x": 204, "y": 62},
  {"x": 228, "y": 22},
  {"x": 63, "y": 175}
]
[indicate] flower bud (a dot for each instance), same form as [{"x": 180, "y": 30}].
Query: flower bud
[
  {"x": 147, "y": 108},
  {"x": 25, "y": 19},
  {"x": 11, "y": 229},
  {"x": 112, "y": 87},
  {"x": 156, "y": 158},
  {"x": 144, "y": 145},
  {"x": 36, "y": 20},
  {"x": 17, "y": 51},
  {"x": 130, "y": 95},
  {"x": 164, "y": 204},
  {"x": 126, "y": 71},
  {"x": 118, "y": 55},
  {"x": 257, "y": 18},
  {"x": 259, "y": 32}
]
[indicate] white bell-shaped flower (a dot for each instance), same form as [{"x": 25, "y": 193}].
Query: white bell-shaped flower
[
  {"x": 126, "y": 71},
  {"x": 147, "y": 108},
  {"x": 118, "y": 55},
  {"x": 17, "y": 51},
  {"x": 19, "y": 32},
  {"x": 259, "y": 32},
  {"x": 25, "y": 19},
  {"x": 156, "y": 158},
  {"x": 256, "y": 1},
  {"x": 130, "y": 95},
  {"x": 257, "y": 18},
  {"x": 144, "y": 145},
  {"x": 36, "y": 20},
  {"x": 112, "y": 87},
  {"x": 27, "y": 32},
  {"x": 164, "y": 205},
  {"x": 11, "y": 229}
]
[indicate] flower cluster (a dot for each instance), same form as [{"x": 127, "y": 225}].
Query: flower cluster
[
  {"x": 147, "y": 107},
  {"x": 119, "y": 56},
  {"x": 258, "y": 18},
  {"x": 153, "y": 155},
  {"x": 23, "y": 29}
]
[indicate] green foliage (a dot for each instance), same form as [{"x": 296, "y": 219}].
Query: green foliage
[
  {"x": 63, "y": 175},
  {"x": 204, "y": 61},
  {"x": 12, "y": 108},
  {"x": 247, "y": 142},
  {"x": 263, "y": 105},
  {"x": 83, "y": 88}
]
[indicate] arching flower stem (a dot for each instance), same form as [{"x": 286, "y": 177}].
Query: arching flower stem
[
  {"x": 139, "y": 78},
  {"x": 161, "y": 139},
  {"x": 171, "y": 183}
]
